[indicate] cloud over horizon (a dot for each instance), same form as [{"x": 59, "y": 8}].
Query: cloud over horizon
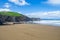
[{"x": 47, "y": 15}]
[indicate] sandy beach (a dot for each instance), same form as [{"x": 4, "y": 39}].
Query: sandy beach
[{"x": 29, "y": 32}]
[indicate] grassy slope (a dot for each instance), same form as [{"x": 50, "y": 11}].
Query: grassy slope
[{"x": 10, "y": 13}]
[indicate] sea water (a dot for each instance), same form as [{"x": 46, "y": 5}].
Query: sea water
[{"x": 48, "y": 22}]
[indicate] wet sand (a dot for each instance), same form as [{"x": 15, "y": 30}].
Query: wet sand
[{"x": 29, "y": 32}]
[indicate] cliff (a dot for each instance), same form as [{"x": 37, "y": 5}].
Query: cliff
[{"x": 12, "y": 17}]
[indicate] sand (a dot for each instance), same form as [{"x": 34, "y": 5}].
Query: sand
[{"x": 29, "y": 32}]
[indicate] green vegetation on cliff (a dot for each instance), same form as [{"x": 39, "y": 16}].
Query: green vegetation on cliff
[{"x": 10, "y": 13}]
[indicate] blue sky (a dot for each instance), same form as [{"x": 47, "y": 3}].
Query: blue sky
[{"x": 49, "y": 9}]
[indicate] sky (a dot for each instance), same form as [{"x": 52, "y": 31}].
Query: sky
[{"x": 45, "y": 9}]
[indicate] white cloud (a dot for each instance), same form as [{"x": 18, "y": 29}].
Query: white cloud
[
  {"x": 52, "y": 14},
  {"x": 1, "y": 9},
  {"x": 6, "y": 5},
  {"x": 53, "y": 2},
  {"x": 19, "y": 2}
]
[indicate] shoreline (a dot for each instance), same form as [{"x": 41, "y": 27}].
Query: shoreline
[{"x": 28, "y": 23}]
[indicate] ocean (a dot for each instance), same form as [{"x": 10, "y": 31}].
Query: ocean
[{"x": 48, "y": 22}]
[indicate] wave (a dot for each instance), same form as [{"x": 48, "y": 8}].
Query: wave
[{"x": 49, "y": 22}]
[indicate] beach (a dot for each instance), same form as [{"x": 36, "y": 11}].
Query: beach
[{"x": 29, "y": 32}]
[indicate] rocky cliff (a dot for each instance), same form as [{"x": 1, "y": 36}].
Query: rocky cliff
[{"x": 12, "y": 17}]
